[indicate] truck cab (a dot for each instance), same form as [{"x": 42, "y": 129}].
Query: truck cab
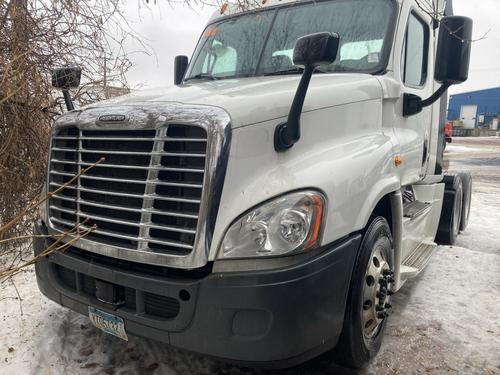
[{"x": 265, "y": 207}]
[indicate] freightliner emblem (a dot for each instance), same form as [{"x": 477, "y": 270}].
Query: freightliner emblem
[{"x": 112, "y": 118}]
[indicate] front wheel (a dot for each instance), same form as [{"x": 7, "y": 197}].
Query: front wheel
[{"x": 368, "y": 302}]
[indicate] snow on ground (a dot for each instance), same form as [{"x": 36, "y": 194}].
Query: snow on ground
[
  {"x": 446, "y": 321},
  {"x": 455, "y": 149}
]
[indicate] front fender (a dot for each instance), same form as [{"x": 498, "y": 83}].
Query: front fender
[{"x": 349, "y": 159}]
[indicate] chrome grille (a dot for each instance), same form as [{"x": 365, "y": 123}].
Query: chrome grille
[{"x": 144, "y": 196}]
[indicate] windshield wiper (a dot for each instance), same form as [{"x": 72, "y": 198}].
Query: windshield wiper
[
  {"x": 296, "y": 70},
  {"x": 202, "y": 76}
]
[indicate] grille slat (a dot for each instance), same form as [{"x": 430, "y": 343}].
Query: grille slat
[
  {"x": 124, "y": 208},
  {"x": 126, "y": 166},
  {"x": 111, "y": 152},
  {"x": 145, "y": 196},
  {"x": 125, "y": 237},
  {"x": 62, "y": 149},
  {"x": 131, "y": 140},
  {"x": 157, "y": 182},
  {"x": 68, "y": 211},
  {"x": 127, "y": 222},
  {"x": 120, "y": 194},
  {"x": 174, "y": 154}
]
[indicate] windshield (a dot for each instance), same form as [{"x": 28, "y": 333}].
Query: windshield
[{"x": 261, "y": 43}]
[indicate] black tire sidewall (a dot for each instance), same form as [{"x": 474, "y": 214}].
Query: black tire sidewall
[
  {"x": 447, "y": 234},
  {"x": 466, "y": 200},
  {"x": 353, "y": 350},
  {"x": 459, "y": 193}
]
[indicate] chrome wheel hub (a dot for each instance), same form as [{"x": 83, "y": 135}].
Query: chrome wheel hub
[{"x": 377, "y": 291}]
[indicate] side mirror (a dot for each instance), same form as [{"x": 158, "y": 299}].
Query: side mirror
[
  {"x": 452, "y": 61},
  {"x": 454, "y": 50},
  {"x": 180, "y": 67},
  {"x": 310, "y": 51},
  {"x": 316, "y": 49},
  {"x": 67, "y": 78}
]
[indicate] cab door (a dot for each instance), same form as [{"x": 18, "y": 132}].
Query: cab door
[{"x": 414, "y": 51}]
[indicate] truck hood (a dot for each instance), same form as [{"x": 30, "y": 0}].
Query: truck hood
[{"x": 254, "y": 100}]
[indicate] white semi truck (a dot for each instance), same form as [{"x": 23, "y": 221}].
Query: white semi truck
[{"x": 264, "y": 208}]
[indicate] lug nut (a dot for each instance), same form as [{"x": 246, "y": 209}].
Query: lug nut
[{"x": 388, "y": 306}]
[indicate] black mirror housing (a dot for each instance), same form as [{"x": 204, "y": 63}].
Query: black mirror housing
[
  {"x": 180, "y": 66},
  {"x": 316, "y": 49},
  {"x": 454, "y": 50},
  {"x": 310, "y": 51},
  {"x": 452, "y": 61},
  {"x": 66, "y": 78}
]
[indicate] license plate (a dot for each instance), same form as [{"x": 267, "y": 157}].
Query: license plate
[{"x": 109, "y": 323}]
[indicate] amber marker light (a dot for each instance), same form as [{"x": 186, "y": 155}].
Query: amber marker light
[{"x": 317, "y": 206}]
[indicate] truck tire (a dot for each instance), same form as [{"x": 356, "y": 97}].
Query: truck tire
[
  {"x": 466, "y": 200},
  {"x": 451, "y": 213},
  {"x": 368, "y": 299}
]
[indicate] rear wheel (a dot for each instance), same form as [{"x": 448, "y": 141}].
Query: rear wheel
[
  {"x": 466, "y": 200},
  {"x": 368, "y": 302},
  {"x": 451, "y": 213}
]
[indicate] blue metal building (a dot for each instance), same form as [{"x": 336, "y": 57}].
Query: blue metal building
[{"x": 475, "y": 108}]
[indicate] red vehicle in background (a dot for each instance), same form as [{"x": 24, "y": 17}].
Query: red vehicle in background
[{"x": 448, "y": 133}]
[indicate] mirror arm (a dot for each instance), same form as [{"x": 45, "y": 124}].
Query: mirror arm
[
  {"x": 67, "y": 99},
  {"x": 434, "y": 97},
  {"x": 288, "y": 133},
  {"x": 413, "y": 104}
]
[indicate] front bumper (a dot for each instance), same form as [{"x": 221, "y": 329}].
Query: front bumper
[{"x": 273, "y": 318}]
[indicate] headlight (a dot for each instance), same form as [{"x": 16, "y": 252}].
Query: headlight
[{"x": 288, "y": 224}]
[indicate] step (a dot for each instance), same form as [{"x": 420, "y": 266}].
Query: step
[
  {"x": 415, "y": 209},
  {"x": 416, "y": 261},
  {"x": 408, "y": 272}
]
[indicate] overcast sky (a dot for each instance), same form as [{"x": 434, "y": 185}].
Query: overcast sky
[{"x": 174, "y": 30}]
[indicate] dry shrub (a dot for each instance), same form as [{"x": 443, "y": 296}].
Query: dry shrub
[{"x": 36, "y": 36}]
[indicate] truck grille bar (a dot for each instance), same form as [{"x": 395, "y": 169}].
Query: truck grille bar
[{"x": 145, "y": 196}]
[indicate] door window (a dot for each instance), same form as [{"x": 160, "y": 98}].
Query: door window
[{"x": 415, "y": 52}]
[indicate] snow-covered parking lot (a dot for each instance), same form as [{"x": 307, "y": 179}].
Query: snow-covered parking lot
[{"x": 446, "y": 321}]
